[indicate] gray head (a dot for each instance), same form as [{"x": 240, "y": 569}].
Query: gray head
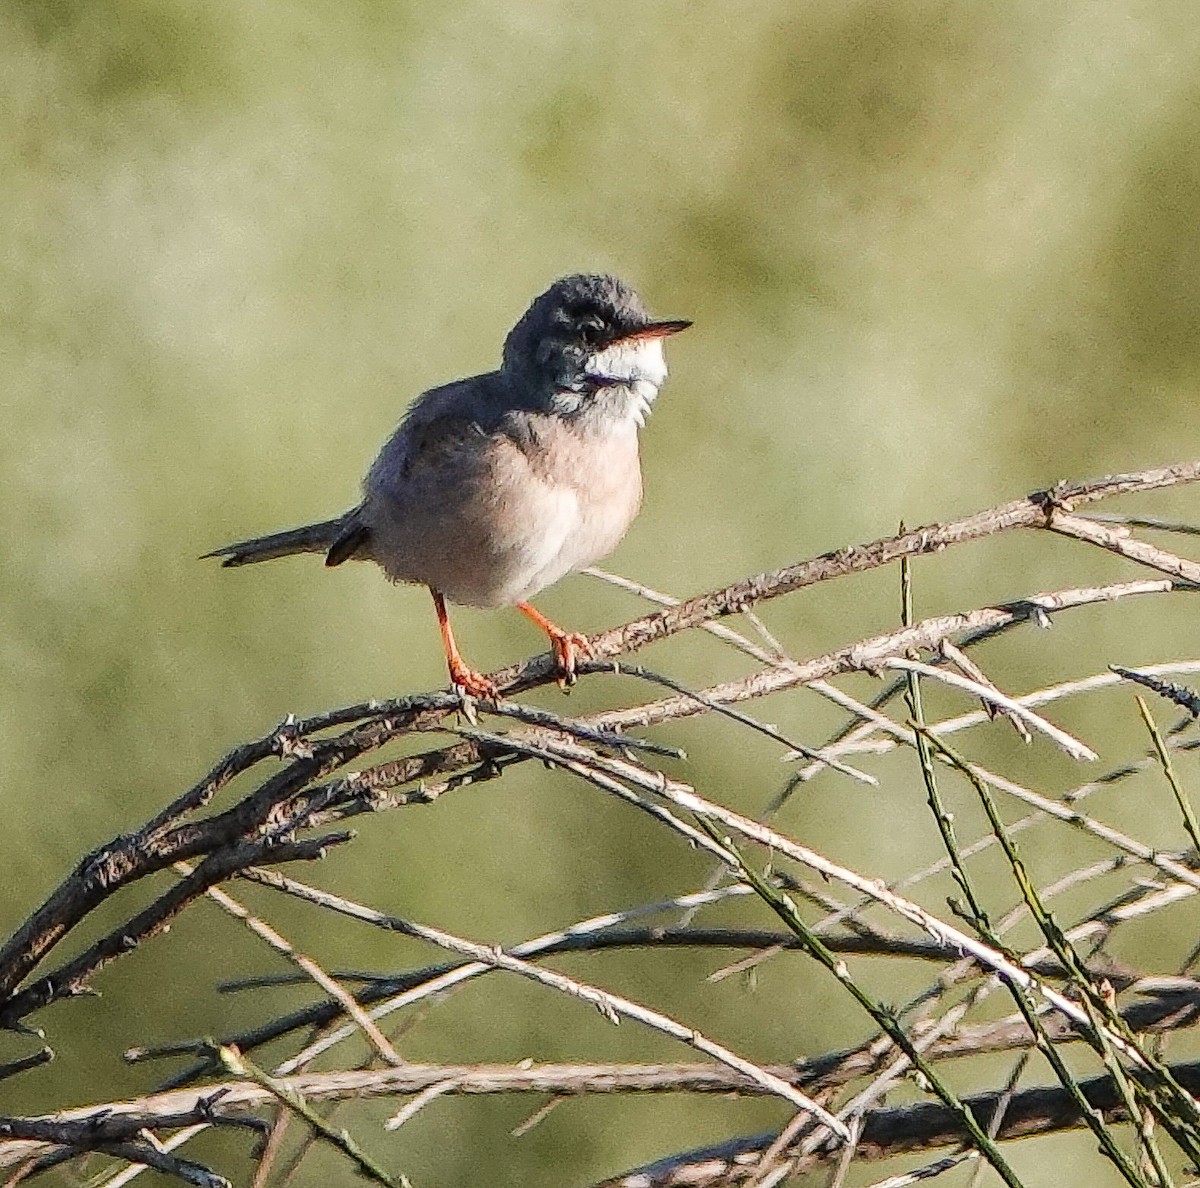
[{"x": 588, "y": 347}]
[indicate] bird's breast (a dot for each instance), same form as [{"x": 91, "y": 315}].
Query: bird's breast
[{"x": 602, "y": 469}]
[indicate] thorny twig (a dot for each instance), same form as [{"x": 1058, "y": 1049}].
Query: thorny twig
[{"x": 274, "y": 823}]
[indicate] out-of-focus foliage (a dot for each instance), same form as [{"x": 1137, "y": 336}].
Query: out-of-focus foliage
[{"x": 936, "y": 254}]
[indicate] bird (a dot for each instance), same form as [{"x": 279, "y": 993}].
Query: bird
[{"x": 496, "y": 486}]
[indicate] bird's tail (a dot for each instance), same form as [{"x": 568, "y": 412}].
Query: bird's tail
[{"x": 312, "y": 538}]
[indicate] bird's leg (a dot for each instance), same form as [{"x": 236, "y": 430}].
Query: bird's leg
[
  {"x": 564, "y": 644},
  {"x": 464, "y": 677}
]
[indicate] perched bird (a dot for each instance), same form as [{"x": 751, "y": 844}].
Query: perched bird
[{"x": 494, "y": 487}]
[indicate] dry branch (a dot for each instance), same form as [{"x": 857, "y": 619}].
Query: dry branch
[
  {"x": 888, "y": 1131},
  {"x": 898, "y": 1130},
  {"x": 274, "y": 823}
]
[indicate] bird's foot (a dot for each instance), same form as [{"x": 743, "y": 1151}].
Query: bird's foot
[
  {"x": 471, "y": 683},
  {"x": 567, "y": 647}
]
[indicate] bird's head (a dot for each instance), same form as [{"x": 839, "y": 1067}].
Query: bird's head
[{"x": 587, "y": 347}]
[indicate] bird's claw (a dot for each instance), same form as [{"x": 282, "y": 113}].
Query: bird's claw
[
  {"x": 567, "y": 646},
  {"x": 473, "y": 684}
]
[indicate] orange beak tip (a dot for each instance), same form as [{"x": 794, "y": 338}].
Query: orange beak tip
[{"x": 659, "y": 329}]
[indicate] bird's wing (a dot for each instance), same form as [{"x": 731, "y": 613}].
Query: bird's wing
[
  {"x": 432, "y": 443},
  {"x": 445, "y": 428}
]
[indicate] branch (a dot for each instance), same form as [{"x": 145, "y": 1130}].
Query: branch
[
  {"x": 273, "y": 823},
  {"x": 887, "y": 1131},
  {"x": 898, "y": 1130}
]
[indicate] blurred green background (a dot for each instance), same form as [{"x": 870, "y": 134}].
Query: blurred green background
[{"x": 937, "y": 254}]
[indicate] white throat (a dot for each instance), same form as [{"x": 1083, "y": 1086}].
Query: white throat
[{"x": 638, "y": 365}]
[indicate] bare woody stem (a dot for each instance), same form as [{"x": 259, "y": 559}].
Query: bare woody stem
[{"x": 262, "y": 827}]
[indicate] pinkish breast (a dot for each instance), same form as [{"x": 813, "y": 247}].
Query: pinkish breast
[{"x": 604, "y": 470}]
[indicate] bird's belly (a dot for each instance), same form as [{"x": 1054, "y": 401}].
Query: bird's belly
[
  {"x": 534, "y": 550},
  {"x": 504, "y": 546},
  {"x": 583, "y": 533},
  {"x": 506, "y": 528}
]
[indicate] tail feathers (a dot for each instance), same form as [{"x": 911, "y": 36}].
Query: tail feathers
[
  {"x": 312, "y": 538},
  {"x": 349, "y": 540}
]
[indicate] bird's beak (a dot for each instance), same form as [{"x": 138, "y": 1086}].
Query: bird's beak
[{"x": 654, "y": 330}]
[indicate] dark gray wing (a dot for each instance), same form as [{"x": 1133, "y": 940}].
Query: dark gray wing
[{"x": 442, "y": 427}]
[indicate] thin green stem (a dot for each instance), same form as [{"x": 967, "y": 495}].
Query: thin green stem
[
  {"x": 1164, "y": 758},
  {"x": 974, "y": 913},
  {"x": 1171, "y": 1103},
  {"x": 783, "y": 907},
  {"x": 981, "y": 922},
  {"x": 1129, "y": 1096},
  {"x": 239, "y": 1066}
]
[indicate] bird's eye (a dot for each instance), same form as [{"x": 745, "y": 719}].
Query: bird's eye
[{"x": 591, "y": 330}]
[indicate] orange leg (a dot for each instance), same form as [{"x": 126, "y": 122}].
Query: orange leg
[
  {"x": 564, "y": 644},
  {"x": 472, "y": 683}
]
